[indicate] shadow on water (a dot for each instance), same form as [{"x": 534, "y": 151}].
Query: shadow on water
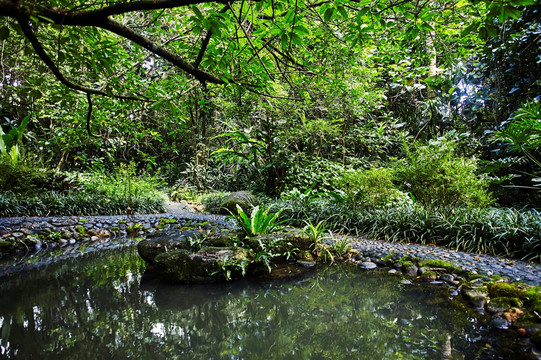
[{"x": 104, "y": 306}]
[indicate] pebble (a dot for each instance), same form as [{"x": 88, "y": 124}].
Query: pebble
[
  {"x": 372, "y": 250},
  {"x": 499, "y": 323},
  {"x": 367, "y": 265}
]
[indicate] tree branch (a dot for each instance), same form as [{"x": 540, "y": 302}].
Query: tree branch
[
  {"x": 176, "y": 60},
  {"x": 89, "y": 115},
  {"x": 206, "y": 42},
  {"x": 25, "y": 26}
]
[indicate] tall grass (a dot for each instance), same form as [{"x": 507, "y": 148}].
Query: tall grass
[{"x": 498, "y": 231}]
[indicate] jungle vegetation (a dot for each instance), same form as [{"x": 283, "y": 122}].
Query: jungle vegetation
[{"x": 401, "y": 119}]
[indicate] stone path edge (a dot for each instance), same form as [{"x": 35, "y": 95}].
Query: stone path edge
[{"x": 514, "y": 270}]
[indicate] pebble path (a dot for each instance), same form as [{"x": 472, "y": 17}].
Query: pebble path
[{"x": 515, "y": 270}]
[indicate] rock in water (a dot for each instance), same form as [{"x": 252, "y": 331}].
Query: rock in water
[
  {"x": 161, "y": 242},
  {"x": 368, "y": 265},
  {"x": 205, "y": 266}
]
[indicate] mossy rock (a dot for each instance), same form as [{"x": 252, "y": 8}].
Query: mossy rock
[
  {"x": 244, "y": 199},
  {"x": 429, "y": 276},
  {"x": 535, "y": 306},
  {"x": 304, "y": 255},
  {"x": 507, "y": 290},
  {"x": 501, "y": 304},
  {"x": 287, "y": 241},
  {"x": 203, "y": 267},
  {"x": 438, "y": 264},
  {"x": 163, "y": 241}
]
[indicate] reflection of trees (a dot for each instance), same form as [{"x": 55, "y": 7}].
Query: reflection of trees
[{"x": 95, "y": 308}]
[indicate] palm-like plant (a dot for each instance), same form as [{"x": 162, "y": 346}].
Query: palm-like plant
[{"x": 259, "y": 222}]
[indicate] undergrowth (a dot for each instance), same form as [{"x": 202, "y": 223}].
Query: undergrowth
[
  {"x": 499, "y": 231},
  {"x": 99, "y": 193}
]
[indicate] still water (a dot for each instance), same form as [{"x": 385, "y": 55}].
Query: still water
[{"x": 102, "y": 306}]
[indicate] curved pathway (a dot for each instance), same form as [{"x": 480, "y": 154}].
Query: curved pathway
[{"x": 514, "y": 270}]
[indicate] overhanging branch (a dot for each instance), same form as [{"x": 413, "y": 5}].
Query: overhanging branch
[{"x": 38, "y": 48}]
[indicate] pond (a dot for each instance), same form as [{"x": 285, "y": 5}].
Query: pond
[{"x": 103, "y": 306}]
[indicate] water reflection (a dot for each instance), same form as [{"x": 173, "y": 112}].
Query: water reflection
[{"x": 101, "y": 307}]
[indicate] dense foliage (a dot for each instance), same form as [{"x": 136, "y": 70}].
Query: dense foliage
[{"x": 395, "y": 110}]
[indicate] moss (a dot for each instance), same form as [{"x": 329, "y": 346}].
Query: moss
[
  {"x": 535, "y": 306},
  {"x": 429, "y": 275},
  {"x": 495, "y": 278},
  {"x": 506, "y": 302},
  {"x": 6, "y": 246},
  {"x": 503, "y": 289},
  {"x": 114, "y": 229},
  {"x": 81, "y": 230},
  {"x": 387, "y": 257},
  {"x": 533, "y": 294},
  {"x": 438, "y": 264},
  {"x": 83, "y": 220}
]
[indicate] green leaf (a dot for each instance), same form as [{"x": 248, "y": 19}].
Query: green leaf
[
  {"x": 4, "y": 33},
  {"x": 343, "y": 12},
  {"x": 295, "y": 39},
  {"x": 509, "y": 12},
  {"x": 301, "y": 30},
  {"x": 197, "y": 12},
  {"x": 329, "y": 14},
  {"x": 470, "y": 28},
  {"x": 284, "y": 40},
  {"x": 523, "y": 2}
]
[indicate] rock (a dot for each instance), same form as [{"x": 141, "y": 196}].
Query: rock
[
  {"x": 244, "y": 199},
  {"x": 304, "y": 255},
  {"x": 367, "y": 265},
  {"x": 306, "y": 264},
  {"x": 499, "y": 323},
  {"x": 392, "y": 271},
  {"x": 405, "y": 282},
  {"x": 17, "y": 234},
  {"x": 163, "y": 241},
  {"x": 447, "y": 278},
  {"x": 410, "y": 271},
  {"x": 429, "y": 276},
  {"x": 202, "y": 267},
  {"x": 66, "y": 234},
  {"x": 92, "y": 232},
  {"x": 94, "y": 238},
  {"x": 26, "y": 231},
  {"x": 477, "y": 302},
  {"x": 421, "y": 271},
  {"x": 287, "y": 241}
]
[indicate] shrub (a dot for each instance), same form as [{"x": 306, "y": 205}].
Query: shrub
[
  {"x": 27, "y": 178},
  {"x": 373, "y": 188},
  {"x": 438, "y": 177},
  {"x": 213, "y": 201}
]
